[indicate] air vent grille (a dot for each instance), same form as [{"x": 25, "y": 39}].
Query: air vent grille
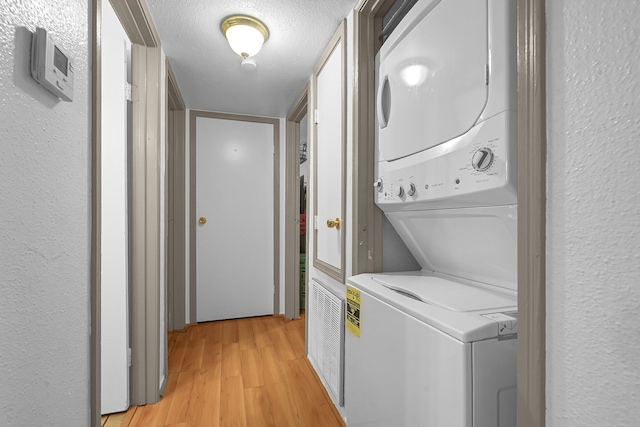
[{"x": 326, "y": 337}]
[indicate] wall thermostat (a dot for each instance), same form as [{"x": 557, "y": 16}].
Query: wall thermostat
[{"x": 51, "y": 66}]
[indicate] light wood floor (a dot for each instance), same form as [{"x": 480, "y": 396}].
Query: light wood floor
[{"x": 243, "y": 372}]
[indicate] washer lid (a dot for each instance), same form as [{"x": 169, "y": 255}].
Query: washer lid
[
  {"x": 432, "y": 76},
  {"x": 465, "y": 326},
  {"x": 477, "y": 244},
  {"x": 447, "y": 294}
]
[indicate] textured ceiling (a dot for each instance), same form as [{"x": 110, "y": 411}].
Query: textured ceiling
[{"x": 209, "y": 72}]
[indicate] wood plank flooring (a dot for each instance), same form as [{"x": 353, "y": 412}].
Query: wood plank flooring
[{"x": 241, "y": 372}]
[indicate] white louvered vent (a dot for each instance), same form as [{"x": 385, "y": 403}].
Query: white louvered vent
[{"x": 326, "y": 337}]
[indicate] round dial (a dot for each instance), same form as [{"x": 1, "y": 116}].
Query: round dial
[
  {"x": 482, "y": 159},
  {"x": 400, "y": 192},
  {"x": 412, "y": 189}
]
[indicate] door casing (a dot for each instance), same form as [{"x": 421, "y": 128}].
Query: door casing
[{"x": 96, "y": 218}]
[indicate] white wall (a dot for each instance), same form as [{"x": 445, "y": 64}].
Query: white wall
[
  {"x": 395, "y": 254},
  {"x": 44, "y": 232},
  {"x": 593, "y": 213}
]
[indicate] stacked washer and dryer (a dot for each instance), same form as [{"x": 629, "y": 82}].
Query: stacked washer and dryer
[{"x": 437, "y": 347}]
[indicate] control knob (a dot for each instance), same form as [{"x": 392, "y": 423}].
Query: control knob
[
  {"x": 482, "y": 159},
  {"x": 412, "y": 189},
  {"x": 378, "y": 185},
  {"x": 400, "y": 192}
]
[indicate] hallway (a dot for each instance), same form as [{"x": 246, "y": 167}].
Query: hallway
[{"x": 241, "y": 372}]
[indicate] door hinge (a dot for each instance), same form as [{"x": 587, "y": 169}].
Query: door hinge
[
  {"x": 129, "y": 359},
  {"x": 128, "y": 91},
  {"x": 486, "y": 74},
  {"x": 315, "y": 116}
]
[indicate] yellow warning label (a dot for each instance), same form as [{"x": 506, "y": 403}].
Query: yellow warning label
[{"x": 353, "y": 311}]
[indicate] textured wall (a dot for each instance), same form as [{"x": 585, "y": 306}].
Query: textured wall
[
  {"x": 593, "y": 213},
  {"x": 44, "y": 225}
]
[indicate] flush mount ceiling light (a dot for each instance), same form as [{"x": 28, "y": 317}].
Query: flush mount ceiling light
[{"x": 245, "y": 35}]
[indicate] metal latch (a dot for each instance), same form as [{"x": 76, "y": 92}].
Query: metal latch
[{"x": 507, "y": 324}]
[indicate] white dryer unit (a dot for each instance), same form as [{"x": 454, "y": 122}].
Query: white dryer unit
[{"x": 438, "y": 347}]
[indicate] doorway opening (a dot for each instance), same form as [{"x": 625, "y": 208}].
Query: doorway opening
[
  {"x": 296, "y": 206},
  {"x": 176, "y": 214}
]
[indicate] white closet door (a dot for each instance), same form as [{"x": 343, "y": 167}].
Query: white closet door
[{"x": 114, "y": 244}]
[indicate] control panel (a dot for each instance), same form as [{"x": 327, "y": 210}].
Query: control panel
[{"x": 475, "y": 169}]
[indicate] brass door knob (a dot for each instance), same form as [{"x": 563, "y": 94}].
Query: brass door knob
[
  {"x": 202, "y": 220},
  {"x": 333, "y": 223}
]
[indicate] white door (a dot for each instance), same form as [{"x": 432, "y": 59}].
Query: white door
[
  {"x": 116, "y": 50},
  {"x": 234, "y": 193},
  {"x": 329, "y": 160}
]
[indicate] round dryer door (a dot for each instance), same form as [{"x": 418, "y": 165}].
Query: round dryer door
[{"x": 431, "y": 80}]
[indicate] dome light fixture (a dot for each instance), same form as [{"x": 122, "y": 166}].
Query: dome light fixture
[{"x": 245, "y": 34}]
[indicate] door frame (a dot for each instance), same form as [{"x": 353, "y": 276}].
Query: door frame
[
  {"x": 532, "y": 157},
  {"x": 176, "y": 203},
  {"x": 194, "y": 114},
  {"x": 145, "y": 242},
  {"x": 145, "y": 208},
  {"x": 531, "y": 185},
  {"x": 298, "y": 111}
]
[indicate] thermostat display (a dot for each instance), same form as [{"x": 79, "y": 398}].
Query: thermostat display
[
  {"x": 51, "y": 66},
  {"x": 60, "y": 61}
]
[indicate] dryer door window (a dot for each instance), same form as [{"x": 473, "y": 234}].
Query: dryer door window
[{"x": 431, "y": 77}]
